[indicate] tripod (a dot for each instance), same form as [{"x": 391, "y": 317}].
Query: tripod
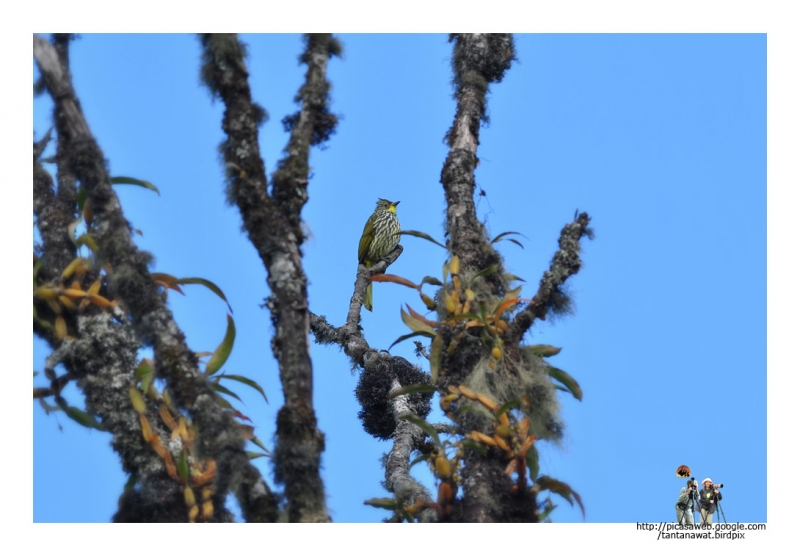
[{"x": 719, "y": 511}]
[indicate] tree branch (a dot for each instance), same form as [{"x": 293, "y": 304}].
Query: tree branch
[
  {"x": 349, "y": 335},
  {"x": 382, "y": 374},
  {"x": 103, "y": 358},
  {"x": 478, "y": 60},
  {"x": 363, "y": 275},
  {"x": 407, "y": 438},
  {"x": 220, "y": 437},
  {"x": 53, "y": 214},
  {"x": 273, "y": 226},
  {"x": 566, "y": 262}
]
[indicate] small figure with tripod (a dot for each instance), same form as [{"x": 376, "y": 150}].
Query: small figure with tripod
[
  {"x": 686, "y": 501},
  {"x": 709, "y": 499}
]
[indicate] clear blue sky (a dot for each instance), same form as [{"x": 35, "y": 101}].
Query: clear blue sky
[{"x": 660, "y": 138}]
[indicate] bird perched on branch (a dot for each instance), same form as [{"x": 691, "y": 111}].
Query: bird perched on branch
[{"x": 381, "y": 234}]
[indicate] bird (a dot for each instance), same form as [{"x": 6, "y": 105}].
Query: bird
[{"x": 380, "y": 236}]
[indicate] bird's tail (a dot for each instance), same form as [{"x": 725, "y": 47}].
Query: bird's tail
[{"x": 368, "y": 297}]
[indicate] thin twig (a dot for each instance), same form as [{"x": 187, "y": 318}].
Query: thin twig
[{"x": 565, "y": 262}]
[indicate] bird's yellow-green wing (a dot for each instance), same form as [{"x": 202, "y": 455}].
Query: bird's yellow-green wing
[{"x": 366, "y": 239}]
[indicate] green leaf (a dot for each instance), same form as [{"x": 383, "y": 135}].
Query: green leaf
[
  {"x": 432, "y": 281},
  {"x": 543, "y": 350},
  {"x": 221, "y": 389},
  {"x": 472, "y": 445},
  {"x": 422, "y": 235},
  {"x": 81, "y": 200},
  {"x": 435, "y": 357},
  {"x": 123, "y": 180},
  {"x": 506, "y": 407},
  {"x": 476, "y": 408},
  {"x": 504, "y": 234},
  {"x": 417, "y": 325},
  {"x": 580, "y": 503},
  {"x": 88, "y": 240},
  {"x": 532, "y": 459},
  {"x": 416, "y": 460},
  {"x": 145, "y": 374},
  {"x": 562, "y": 489},
  {"x": 183, "y": 465},
  {"x": 466, "y": 316},
  {"x": 254, "y": 455},
  {"x": 406, "y": 337},
  {"x": 222, "y": 402},
  {"x": 512, "y": 278},
  {"x": 83, "y": 418},
  {"x": 223, "y": 351},
  {"x": 130, "y": 483},
  {"x": 482, "y": 309},
  {"x": 565, "y": 379},
  {"x": 248, "y": 382},
  {"x": 36, "y": 267},
  {"x": 485, "y": 272},
  {"x": 412, "y": 389},
  {"x": 424, "y": 425},
  {"x": 260, "y": 444},
  {"x": 385, "y": 503},
  {"x": 43, "y": 323},
  {"x": 427, "y": 300},
  {"x": 207, "y": 283}
]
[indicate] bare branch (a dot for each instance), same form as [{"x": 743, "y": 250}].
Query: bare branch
[
  {"x": 312, "y": 125},
  {"x": 445, "y": 428},
  {"x": 220, "y": 437},
  {"x": 273, "y": 226},
  {"x": 478, "y": 60},
  {"x": 55, "y": 388},
  {"x": 349, "y": 335},
  {"x": 407, "y": 438},
  {"x": 54, "y": 213},
  {"x": 67, "y": 191},
  {"x": 363, "y": 276},
  {"x": 382, "y": 374},
  {"x": 566, "y": 262}
]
